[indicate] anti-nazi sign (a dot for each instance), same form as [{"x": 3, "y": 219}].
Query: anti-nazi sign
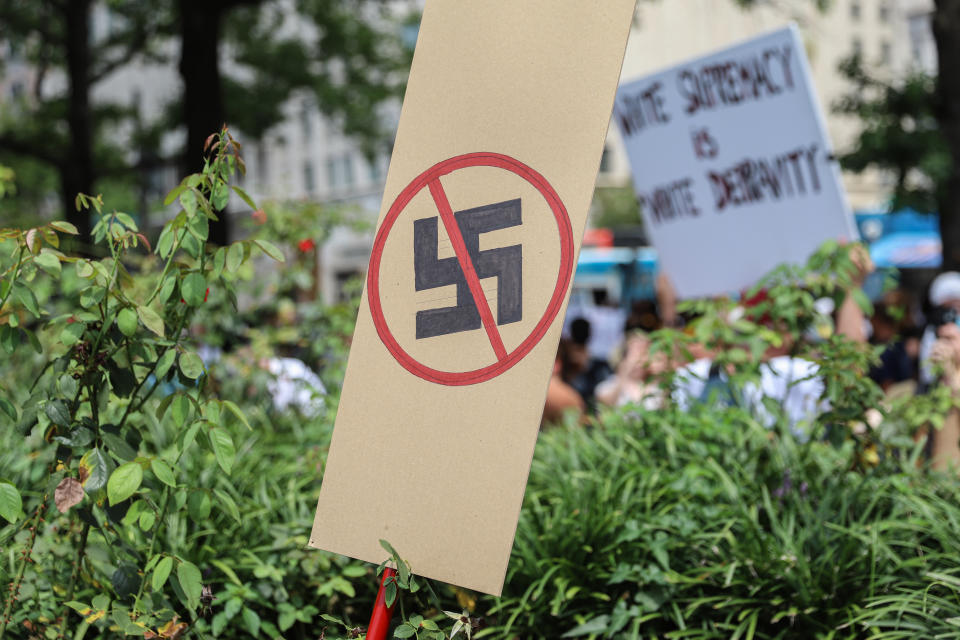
[
  {"x": 469, "y": 264},
  {"x": 504, "y": 263}
]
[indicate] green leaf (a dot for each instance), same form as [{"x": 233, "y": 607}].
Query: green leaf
[
  {"x": 193, "y": 289},
  {"x": 219, "y": 623},
  {"x": 286, "y": 619},
  {"x": 147, "y": 520},
  {"x": 165, "y": 243},
  {"x": 92, "y": 296},
  {"x": 124, "y": 581},
  {"x": 270, "y": 249},
  {"x": 67, "y": 385},
  {"x": 161, "y": 573},
  {"x": 151, "y": 320},
  {"x": 220, "y": 196},
  {"x": 406, "y": 630},
  {"x": 223, "y": 448},
  {"x": 252, "y": 621},
  {"x": 9, "y": 337},
  {"x": 596, "y": 625},
  {"x": 191, "y": 365},
  {"x": 199, "y": 505},
  {"x": 180, "y": 409},
  {"x": 227, "y": 571},
  {"x": 10, "y": 502},
  {"x": 58, "y": 413},
  {"x": 93, "y": 470},
  {"x": 188, "y": 200},
  {"x": 236, "y": 411},
  {"x": 191, "y": 582},
  {"x": 165, "y": 362},
  {"x": 7, "y": 407},
  {"x": 187, "y": 437},
  {"x": 167, "y": 289},
  {"x": 118, "y": 446},
  {"x": 227, "y": 505},
  {"x": 219, "y": 261},
  {"x": 163, "y": 472},
  {"x": 200, "y": 226},
  {"x": 71, "y": 333},
  {"x": 245, "y": 197},
  {"x": 176, "y": 191},
  {"x": 123, "y": 482},
  {"x": 83, "y": 268},
  {"x": 127, "y": 321},
  {"x": 234, "y": 257},
  {"x": 25, "y": 296},
  {"x": 49, "y": 263},
  {"x": 64, "y": 227}
]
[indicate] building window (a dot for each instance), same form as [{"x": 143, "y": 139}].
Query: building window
[
  {"x": 855, "y": 10},
  {"x": 376, "y": 168},
  {"x": 884, "y": 12},
  {"x": 308, "y": 181},
  {"x": 857, "y": 47},
  {"x": 347, "y": 170},
  {"x": 885, "y": 53},
  {"x": 606, "y": 160},
  {"x": 340, "y": 171},
  {"x": 263, "y": 168},
  {"x": 305, "y": 122}
]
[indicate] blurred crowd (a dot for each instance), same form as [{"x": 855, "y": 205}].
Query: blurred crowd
[{"x": 605, "y": 357}]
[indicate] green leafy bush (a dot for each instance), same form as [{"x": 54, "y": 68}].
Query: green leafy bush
[
  {"x": 128, "y": 479},
  {"x": 707, "y": 525},
  {"x": 148, "y": 491}
]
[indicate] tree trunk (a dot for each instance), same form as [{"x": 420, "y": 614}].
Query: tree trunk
[
  {"x": 76, "y": 172},
  {"x": 202, "y": 93},
  {"x": 946, "y": 32}
]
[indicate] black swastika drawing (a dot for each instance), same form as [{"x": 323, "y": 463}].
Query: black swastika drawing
[{"x": 504, "y": 263}]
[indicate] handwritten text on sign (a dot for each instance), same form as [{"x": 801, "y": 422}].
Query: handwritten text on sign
[{"x": 731, "y": 164}]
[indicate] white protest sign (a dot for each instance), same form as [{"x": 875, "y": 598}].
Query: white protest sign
[
  {"x": 485, "y": 203},
  {"x": 732, "y": 165}
]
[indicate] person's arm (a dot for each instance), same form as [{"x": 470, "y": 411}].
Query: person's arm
[
  {"x": 850, "y": 320},
  {"x": 946, "y": 440},
  {"x": 561, "y": 398},
  {"x": 666, "y": 300}
]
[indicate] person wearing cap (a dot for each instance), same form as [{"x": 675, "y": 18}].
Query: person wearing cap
[
  {"x": 940, "y": 362},
  {"x": 945, "y": 299}
]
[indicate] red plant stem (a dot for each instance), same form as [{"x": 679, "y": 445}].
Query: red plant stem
[{"x": 380, "y": 619}]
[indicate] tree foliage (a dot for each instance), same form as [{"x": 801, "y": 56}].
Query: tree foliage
[
  {"x": 240, "y": 61},
  {"x": 899, "y": 133}
]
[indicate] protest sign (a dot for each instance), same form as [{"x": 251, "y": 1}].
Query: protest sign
[
  {"x": 732, "y": 165},
  {"x": 485, "y": 202}
]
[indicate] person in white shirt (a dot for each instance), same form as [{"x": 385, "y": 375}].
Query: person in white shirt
[{"x": 790, "y": 381}]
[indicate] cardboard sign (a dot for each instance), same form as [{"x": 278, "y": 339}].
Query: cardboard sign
[
  {"x": 731, "y": 164},
  {"x": 484, "y": 206}
]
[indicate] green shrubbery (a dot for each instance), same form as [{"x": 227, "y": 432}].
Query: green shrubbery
[
  {"x": 708, "y": 525},
  {"x": 144, "y": 491}
]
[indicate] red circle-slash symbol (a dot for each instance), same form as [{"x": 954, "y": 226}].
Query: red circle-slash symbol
[{"x": 431, "y": 180}]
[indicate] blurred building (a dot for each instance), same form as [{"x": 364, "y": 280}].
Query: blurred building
[
  {"x": 307, "y": 157},
  {"x": 891, "y": 36}
]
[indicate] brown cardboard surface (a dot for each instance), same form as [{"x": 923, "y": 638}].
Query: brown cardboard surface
[{"x": 439, "y": 470}]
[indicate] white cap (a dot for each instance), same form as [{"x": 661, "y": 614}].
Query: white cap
[{"x": 945, "y": 287}]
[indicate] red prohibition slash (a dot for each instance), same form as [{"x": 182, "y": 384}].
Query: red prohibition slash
[{"x": 431, "y": 179}]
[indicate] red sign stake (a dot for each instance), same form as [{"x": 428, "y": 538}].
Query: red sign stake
[{"x": 380, "y": 619}]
